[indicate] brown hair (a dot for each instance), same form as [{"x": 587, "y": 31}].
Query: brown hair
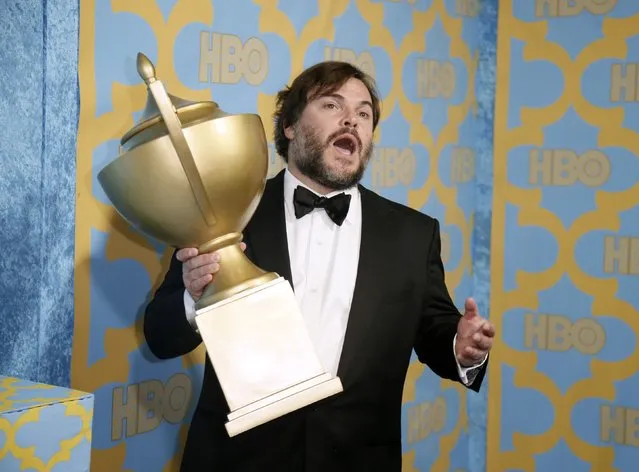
[{"x": 320, "y": 79}]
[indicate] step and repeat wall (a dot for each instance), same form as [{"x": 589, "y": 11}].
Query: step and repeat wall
[
  {"x": 565, "y": 238},
  {"x": 424, "y": 56}
]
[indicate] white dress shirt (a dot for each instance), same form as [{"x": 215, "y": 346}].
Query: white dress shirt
[{"x": 324, "y": 259}]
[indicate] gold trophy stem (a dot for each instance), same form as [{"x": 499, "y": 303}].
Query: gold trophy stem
[{"x": 237, "y": 273}]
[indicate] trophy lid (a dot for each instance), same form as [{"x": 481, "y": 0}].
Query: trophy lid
[{"x": 151, "y": 124}]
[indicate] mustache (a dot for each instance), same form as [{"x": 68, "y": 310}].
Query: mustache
[{"x": 343, "y": 131}]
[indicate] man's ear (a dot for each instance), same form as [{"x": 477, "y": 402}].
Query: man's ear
[{"x": 289, "y": 132}]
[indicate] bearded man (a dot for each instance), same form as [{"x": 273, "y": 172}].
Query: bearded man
[{"x": 369, "y": 280}]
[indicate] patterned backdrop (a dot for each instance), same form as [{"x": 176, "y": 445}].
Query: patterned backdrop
[
  {"x": 565, "y": 258},
  {"x": 563, "y": 220},
  {"x": 424, "y": 55}
]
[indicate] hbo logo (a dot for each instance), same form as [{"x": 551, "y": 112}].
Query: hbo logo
[
  {"x": 425, "y": 419},
  {"x": 392, "y": 166},
  {"x": 558, "y": 333},
  {"x": 225, "y": 59},
  {"x": 147, "y": 403},
  {"x": 363, "y": 60},
  {"x": 560, "y": 167},
  {"x": 467, "y": 7},
  {"x": 572, "y": 7},
  {"x": 435, "y": 79}
]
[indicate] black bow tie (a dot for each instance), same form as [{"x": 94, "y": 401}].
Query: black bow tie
[{"x": 336, "y": 207}]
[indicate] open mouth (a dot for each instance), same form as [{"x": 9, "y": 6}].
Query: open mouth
[{"x": 345, "y": 144}]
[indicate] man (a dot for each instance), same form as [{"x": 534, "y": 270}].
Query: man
[{"x": 368, "y": 277}]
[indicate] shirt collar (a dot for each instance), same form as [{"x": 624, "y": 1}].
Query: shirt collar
[{"x": 291, "y": 182}]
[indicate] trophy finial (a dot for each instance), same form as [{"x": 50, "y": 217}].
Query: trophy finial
[{"x": 146, "y": 69}]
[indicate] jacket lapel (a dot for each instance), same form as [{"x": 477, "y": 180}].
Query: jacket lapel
[
  {"x": 370, "y": 274},
  {"x": 269, "y": 246}
]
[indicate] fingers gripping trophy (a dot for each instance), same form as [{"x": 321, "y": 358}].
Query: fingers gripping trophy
[{"x": 190, "y": 175}]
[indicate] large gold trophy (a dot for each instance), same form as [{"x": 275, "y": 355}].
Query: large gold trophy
[{"x": 190, "y": 175}]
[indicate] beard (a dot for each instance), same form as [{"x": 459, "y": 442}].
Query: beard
[{"x": 307, "y": 151}]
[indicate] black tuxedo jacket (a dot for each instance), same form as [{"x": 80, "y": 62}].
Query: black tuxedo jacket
[{"x": 400, "y": 303}]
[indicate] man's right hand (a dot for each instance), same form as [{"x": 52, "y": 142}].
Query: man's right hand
[{"x": 198, "y": 270}]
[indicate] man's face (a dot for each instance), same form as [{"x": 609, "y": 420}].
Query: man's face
[{"x": 332, "y": 141}]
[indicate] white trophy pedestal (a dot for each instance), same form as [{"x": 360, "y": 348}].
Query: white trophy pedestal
[{"x": 263, "y": 356}]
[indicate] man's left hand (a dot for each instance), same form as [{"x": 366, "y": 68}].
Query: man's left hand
[{"x": 474, "y": 336}]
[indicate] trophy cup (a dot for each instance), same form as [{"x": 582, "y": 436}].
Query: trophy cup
[{"x": 190, "y": 175}]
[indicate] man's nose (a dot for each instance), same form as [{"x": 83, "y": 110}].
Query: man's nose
[{"x": 350, "y": 119}]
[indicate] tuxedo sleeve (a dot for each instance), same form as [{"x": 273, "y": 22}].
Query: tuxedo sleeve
[
  {"x": 439, "y": 319},
  {"x": 167, "y": 330}
]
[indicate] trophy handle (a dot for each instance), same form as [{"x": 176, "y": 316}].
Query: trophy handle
[{"x": 174, "y": 126}]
